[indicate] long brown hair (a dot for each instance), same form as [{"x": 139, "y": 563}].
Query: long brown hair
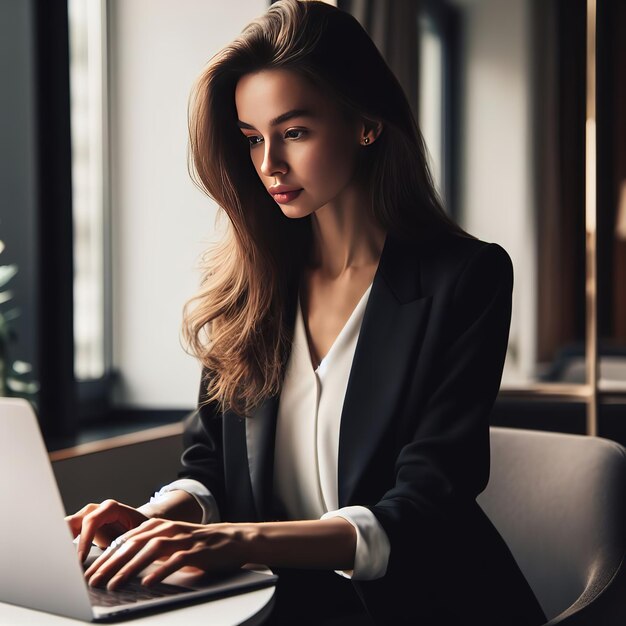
[{"x": 237, "y": 324}]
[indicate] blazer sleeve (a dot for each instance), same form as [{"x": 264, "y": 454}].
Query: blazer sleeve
[
  {"x": 444, "y": 464},
  {"x": 203, "y": 455}
]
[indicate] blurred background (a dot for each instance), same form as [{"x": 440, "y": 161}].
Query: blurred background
[{"x": 101, "y": 228}]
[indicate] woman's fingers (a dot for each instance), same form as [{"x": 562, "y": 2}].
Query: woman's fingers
[
  {"x": 75, "y": 521},
  {"x": 200, "y": 556},
  {"x": 176, "y": 561},
  {"x": 179, "y": 543},
  {"x": 126, "y": 546},
  {"x": 107, "y": 564},
  {"x": 144, "y": 532},
  {"x": 105, "y": 513},
  {"x": 106, "y": 556},
  {"x": 134, "y": 556},
  {"x": 106, "y": 534},
  {"x": 101, "y": 523},
  {"x": 153, "y": 540},
  {"x": 155, "y": 549}
]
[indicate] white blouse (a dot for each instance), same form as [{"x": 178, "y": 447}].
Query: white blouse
[{"x": 307, "y": 446}]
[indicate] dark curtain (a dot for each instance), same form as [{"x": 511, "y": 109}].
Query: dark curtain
[
  {"x": 618, "y": 25},
  {"x": 559, "y": 70},
  {"x": 611, "y": 130}
]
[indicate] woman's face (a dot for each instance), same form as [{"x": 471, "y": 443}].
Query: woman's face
[{"x": 301, "y": 144}]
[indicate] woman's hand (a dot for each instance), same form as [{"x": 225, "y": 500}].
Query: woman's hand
[
  {"x": 169, "y": 546},
  {"x": 102, "y": 523},
  {"x": 175, "y": 544}
]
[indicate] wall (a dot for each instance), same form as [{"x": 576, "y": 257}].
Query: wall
[
  {"x": 161, "y": 221},
  {"x": 497, "y": 185},
  {"x": 130, "y": 474}
]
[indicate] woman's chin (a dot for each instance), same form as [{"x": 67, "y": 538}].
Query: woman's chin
[{"x": 294, "y": 212}]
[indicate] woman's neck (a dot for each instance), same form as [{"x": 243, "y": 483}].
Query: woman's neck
[{"x": 345, "y": 238}]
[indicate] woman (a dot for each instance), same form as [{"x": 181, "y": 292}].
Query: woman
[{"x": 352, "y": 339}]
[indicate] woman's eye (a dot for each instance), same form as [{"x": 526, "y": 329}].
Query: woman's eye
[
  {"x": 254, "y": 139},
  {"x": 294, "y": 133}
]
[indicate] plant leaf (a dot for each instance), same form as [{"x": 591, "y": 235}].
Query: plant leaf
[
  {"x": 18, "y": 386},
  {"x": 5, "y": 296},
  {"x": 22, "y": 367},
  {"x": 6, "y": 273}
]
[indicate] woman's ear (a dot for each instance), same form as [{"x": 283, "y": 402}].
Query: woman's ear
[{"x": 370, "y": 131}]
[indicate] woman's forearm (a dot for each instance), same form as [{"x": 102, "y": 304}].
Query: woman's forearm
[
  {"x": 316, "y": 544},
  {"x": 321, "y": 544}
]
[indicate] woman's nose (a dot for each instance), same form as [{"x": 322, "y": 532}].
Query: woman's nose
[{"x": 273, "y": 162}]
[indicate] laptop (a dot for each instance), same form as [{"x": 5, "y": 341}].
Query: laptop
[{"x": 39, "y": 567}]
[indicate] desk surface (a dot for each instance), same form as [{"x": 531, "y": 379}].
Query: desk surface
[{"x": 249, "y": 608}]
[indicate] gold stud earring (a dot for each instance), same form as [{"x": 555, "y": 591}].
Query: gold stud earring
[{"x": 366, "y": 140}]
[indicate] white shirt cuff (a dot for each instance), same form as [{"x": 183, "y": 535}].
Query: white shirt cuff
[
  {"x": 204, "y": 498},
  {"x": 372, "y": 544}
]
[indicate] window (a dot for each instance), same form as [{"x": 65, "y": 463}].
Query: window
[
  {"x": 432, "y": 104},
  {"x": 87, "y": 28}
]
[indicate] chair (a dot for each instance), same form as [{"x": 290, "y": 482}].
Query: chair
[{"x": 559, "y": 501}]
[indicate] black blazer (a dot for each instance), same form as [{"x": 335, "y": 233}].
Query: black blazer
[{"x": 414, "y": 435}]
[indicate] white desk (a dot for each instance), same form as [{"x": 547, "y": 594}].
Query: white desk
[{"x": 249, "y": 608}]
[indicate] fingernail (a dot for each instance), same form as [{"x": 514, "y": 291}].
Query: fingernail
[
  {"x": 94, "y": 580},
  {"x": 147, "y": 581}
]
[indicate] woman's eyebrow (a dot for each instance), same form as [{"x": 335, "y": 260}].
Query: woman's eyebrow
[{"x": 281, "y": 118}]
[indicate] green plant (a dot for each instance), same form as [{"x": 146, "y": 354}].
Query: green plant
[
  {"x": 13, "y": 379},
  {"x": 7, "y": 272}
]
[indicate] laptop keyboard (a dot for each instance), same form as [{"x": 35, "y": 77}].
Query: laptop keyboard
[{"x": 132, "y": 592}]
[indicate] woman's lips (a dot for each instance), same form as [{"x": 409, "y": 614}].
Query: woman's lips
[{"x": 283, "y": 197}]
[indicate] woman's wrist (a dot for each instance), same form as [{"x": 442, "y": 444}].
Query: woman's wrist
[
  {"x": 174, "y": 505},
  {"x": 321, "y": 544},
  {"x": 244, "y": 540}
]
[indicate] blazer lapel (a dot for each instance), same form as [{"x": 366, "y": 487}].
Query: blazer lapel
[
  {"x": 390, "y": 336},
  {"x": 260, "y": 437},
  {"x": 261, "y": 434}
]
